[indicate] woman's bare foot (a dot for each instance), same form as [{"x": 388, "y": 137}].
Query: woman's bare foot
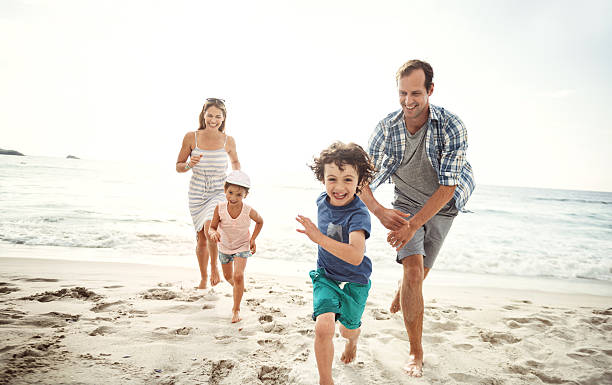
[
  {"x": 236, "y": 316},
  {"x": 203, "y": 283},
  {"x": 414, "y": 367},
  {"x": 395, "y": 304},
  {"x": 350, "y": 351},
  {"x": 214, "y": 277}
]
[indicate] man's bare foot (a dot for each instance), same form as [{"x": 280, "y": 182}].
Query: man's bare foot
[
  {"x": 414, "y": 367},
  {"x": 214, "y": 277},
  {"x": 236, "y": 316},
  {"x": 203, "y": 283},
  {"x": 395, "y": 304}
]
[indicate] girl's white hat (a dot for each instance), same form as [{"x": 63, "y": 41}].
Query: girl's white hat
[{"x": 239, "y": 178}]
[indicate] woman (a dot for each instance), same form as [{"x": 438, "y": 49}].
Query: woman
[{"x": 204, "y": 152}]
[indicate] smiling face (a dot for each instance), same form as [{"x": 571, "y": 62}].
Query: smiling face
[
  {"x": 213, "y": 117},
  {"x": 340, "y": 185},
  {"x": 414, "y": 97},
  {"x": 235, "y": 194}
]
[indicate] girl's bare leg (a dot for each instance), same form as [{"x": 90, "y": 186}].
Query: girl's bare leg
[
  {"x": 228, "y": 272},
  {"x": 239, "y": 266},
  {"x": 214, "y": 256}
]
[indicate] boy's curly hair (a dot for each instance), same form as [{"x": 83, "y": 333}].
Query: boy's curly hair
[{"x": 342, "y": 154}]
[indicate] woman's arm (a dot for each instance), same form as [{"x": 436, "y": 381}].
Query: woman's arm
[
  {"x": 230, "y": 147},
  {"x": 183, "y": 155}
]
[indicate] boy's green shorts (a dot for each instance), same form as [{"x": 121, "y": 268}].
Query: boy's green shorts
[{"x": 347, "y": 302}]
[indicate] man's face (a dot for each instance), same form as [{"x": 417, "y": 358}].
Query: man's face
[{"x": 413, "y": 96}]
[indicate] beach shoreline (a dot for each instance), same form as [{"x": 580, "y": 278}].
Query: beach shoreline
[{"x": 66, "y": 321}]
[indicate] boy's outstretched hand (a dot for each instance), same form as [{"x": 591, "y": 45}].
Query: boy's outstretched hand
[{"x": 309, "y": 229}]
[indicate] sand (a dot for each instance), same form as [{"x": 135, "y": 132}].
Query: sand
[{"x": 69, "y": 322}]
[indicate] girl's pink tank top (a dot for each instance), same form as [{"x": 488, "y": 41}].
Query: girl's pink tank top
[{"x": 235, "y": 235}]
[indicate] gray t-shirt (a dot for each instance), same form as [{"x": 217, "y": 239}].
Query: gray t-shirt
[{"x": 416, "y": 180}]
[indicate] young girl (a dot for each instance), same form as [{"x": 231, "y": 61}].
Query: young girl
[{"x": 232, "y": 218}]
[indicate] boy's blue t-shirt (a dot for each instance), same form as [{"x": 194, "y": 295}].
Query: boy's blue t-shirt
[{"x": 337, "y": 222}]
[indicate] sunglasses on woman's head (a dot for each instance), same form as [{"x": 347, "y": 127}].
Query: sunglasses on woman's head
[{"x": 215, "y": 100}]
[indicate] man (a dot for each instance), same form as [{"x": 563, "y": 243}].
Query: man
[{"x": 421, "y": 149}]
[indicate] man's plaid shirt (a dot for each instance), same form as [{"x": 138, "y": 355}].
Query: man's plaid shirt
[{"x": 446, "y": 143}]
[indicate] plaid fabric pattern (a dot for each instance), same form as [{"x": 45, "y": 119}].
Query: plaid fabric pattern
[{"x": 445, "y": 143}]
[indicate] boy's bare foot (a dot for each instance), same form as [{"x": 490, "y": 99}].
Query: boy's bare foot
[
  {"x": 203, "y": 283},
  {"x": 214, "y": 277},
  {"x": 350, "y": 351},
  {"x": 236, "y": 316},
  {"x": 414, "y": 367},
  {"x": 395, "y": 304}
]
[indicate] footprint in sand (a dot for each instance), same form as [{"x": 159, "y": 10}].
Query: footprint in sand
[
  {"x": 224, "y": 339},
  {"x": 603, "y": 312},
  {"x": 208, "y": 306},
  {"x": 433, "y": 339},
  {"x": 112, "y": 287},
  {"x": 497, "y": 338},
  {"x": 76, "y": 292},
  {"x": 511, "y": 307},
  {"x": 220, "y": 370},
  {"x": 537, "y": 323},
  {"x": 6, "y": 288},
  {"x": 442, "y": 326},
  {"x": 107, "y": 306},
  {"x": 296, "y": 299},
  {"x": 183, "y": 331},
  {"x": 463, "y": 346},
  {"x": 590, "y": 356},
  {"x": 273, "y": 375},
  {"x": 380, "y": 314},
  {"x": 102, "y": 330},
  {"x": 464, "y": 377}
]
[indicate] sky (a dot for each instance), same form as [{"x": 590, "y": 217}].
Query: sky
[{"x": 125, "y": 80}]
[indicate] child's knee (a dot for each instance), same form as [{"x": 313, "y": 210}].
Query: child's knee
[
  {"x": 238, "y": 277},
  {"x": 349, "y": 333},
  {"x": 325, "y": 327},
  {"x": 227, "y": 275}
]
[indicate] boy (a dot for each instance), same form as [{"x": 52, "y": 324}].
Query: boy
[{"x": 342, "y": 280}]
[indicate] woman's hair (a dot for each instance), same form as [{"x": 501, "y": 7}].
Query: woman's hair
[
  {"x": 210, "y": 102},
  {"x": 345, "y": 154}
]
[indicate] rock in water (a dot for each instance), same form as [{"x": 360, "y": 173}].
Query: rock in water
[{"x": 10, "y": 152}]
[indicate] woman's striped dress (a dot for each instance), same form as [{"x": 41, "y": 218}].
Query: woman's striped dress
[{"x": 206, "y": 186}]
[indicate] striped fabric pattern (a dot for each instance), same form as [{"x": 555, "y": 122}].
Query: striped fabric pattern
[
  {"x": 445, "y": 143},
  {"x": 206, "y": 186}
]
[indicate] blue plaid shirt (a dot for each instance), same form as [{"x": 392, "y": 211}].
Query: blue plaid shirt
[{"x": 446, "y": 143}]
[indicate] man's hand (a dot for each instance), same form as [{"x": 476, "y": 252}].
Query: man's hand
[
  {"x": 214, "y": 235},
  {"x": 392, "y": 219},
  {"x": 309, "y": 229},
  {"x": 399, "y": 238},
  {"x": 252, "y": 246}
]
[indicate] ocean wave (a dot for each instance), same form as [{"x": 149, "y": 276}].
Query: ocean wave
[{"x": 574, "y": 200}]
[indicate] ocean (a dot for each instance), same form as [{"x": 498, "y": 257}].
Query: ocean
[{"x": 137, "y": 212}]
